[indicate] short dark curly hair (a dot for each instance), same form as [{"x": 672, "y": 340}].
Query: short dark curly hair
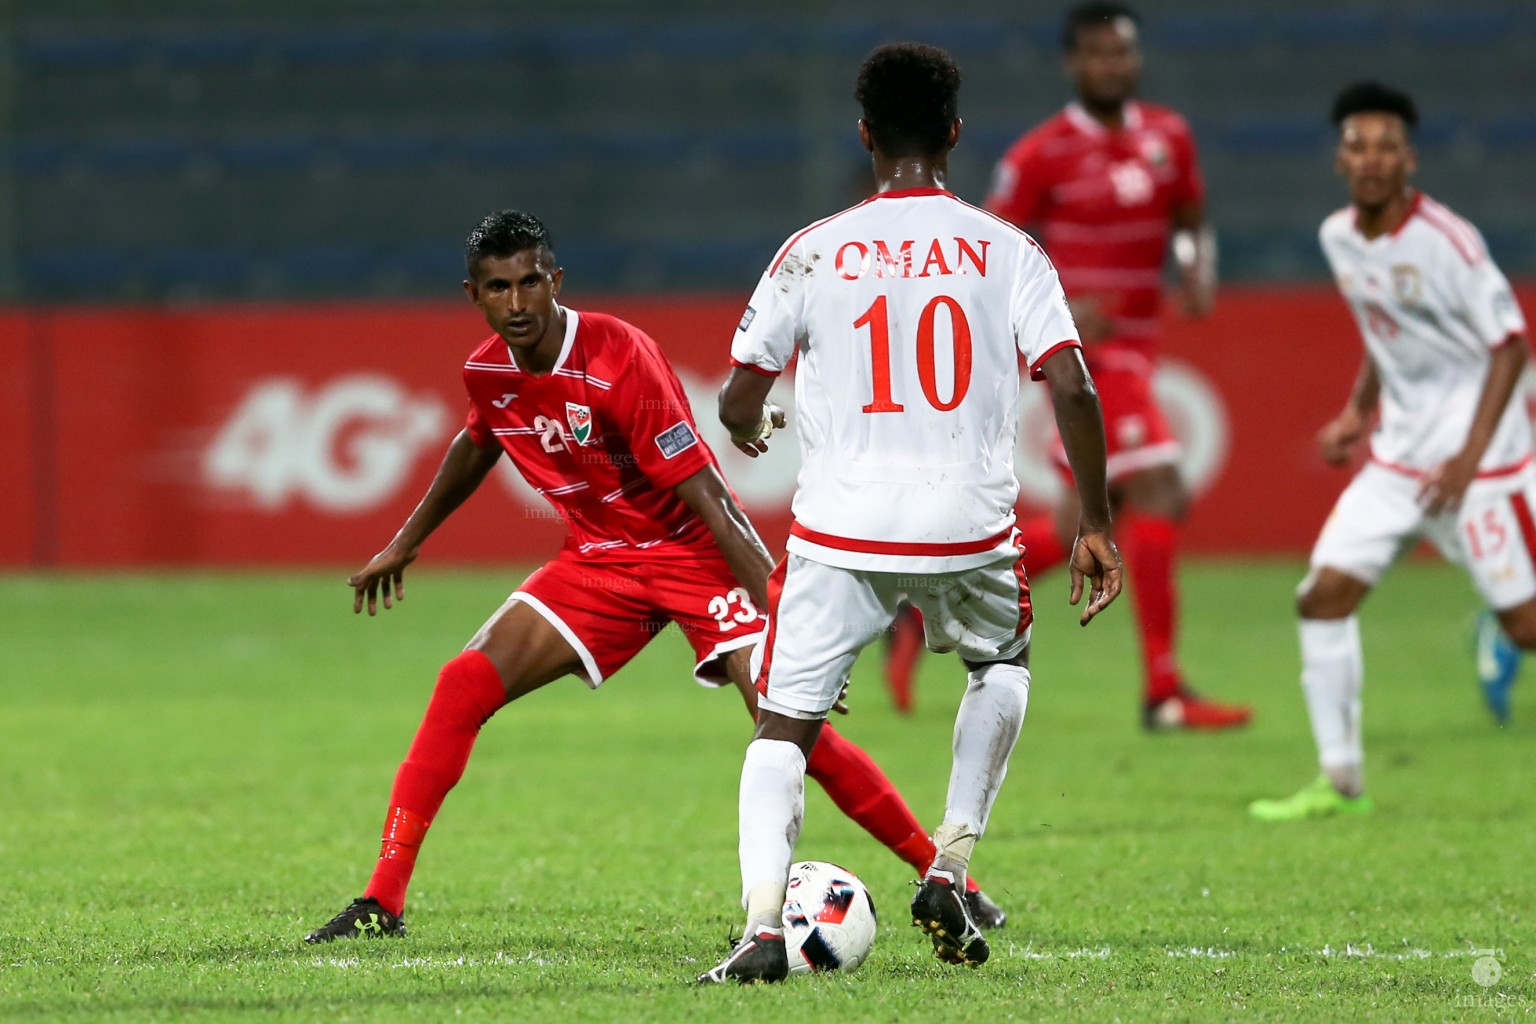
[
  {"x": 1375, "y": 98},
  {"x": 1091, "y": 14},
  {"x": 910, "y": 94},
  {"x": 506, "y": 233}
]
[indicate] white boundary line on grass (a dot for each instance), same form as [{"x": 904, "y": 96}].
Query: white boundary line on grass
[{"x": 1349, "y": 952}]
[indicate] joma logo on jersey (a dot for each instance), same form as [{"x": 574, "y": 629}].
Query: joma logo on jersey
[
  {"x": 580, "y": 419},
  {"x": 858, "y": 259}
]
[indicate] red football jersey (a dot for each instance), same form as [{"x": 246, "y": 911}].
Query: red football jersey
[
  {"x": 1100, "y": 201},
  {"x": 604, "y": 437}
]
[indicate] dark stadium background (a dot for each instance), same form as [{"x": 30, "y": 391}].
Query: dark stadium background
[{"x": 169, "y": 167}]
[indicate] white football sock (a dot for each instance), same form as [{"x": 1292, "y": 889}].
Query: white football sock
[
  {"x": 986, "y": 728},
  {"x": 1332, "y": 675},
  {"x": 770, "y": 809}
]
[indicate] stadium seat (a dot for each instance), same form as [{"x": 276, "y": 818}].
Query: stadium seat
[
  {"x": 1510, "y": 244},
  {"x": 394, "y": 151},
  {"x": 453, "y": 44},
  {"x": 1308, "y": 29},
  {"x": 336, "y": 48},
  {"x": 1445, "y": 26},
  {"x": 196, "y": 267},
  {"x": 199, "y": 50},
  {"x": 967, "y": 38},
  {"x": 332, "y": 266},
  {"x": 76, "y": 51},
  {"x": 39, "y": 156},
  {"x": 1513, "y": 133},
  {"x": 768, "y": 145},
  {"x": 583, "y": 42},
  {"x": 1297, "y": 134},
  {"x": 709, "y": 40},
  {"x": 640, "y": 147},
  {"x": 510, "y": 149},
  {"x": 1227, "y": 31},
  {"x": 137, "y": 155},
  {"x": 58, "y": 273},
  {"x": 595, "y": 262},
  {"x": 734, "y": 263},
  {"x": 436, "y": 265},
  {"x": 246, "y": 155}
]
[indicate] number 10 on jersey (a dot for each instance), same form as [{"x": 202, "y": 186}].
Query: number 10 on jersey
[{"x": 877, "y": 319}]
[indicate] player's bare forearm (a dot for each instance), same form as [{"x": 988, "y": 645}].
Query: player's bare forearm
[
  {"x": 705, "y": 492},
  {"x": 1504, "y": 371},
  {"x": 464, "y": 466},
  {"x": 1340, "y": 434},
  {"x": 1366, "y": 394},
  {"x": 1194, "y": 251},
  {"x": 1095, "y": 562},
  {"x": 1080, "y": 422},
  {"x": 1444, "y": 485},
  {"x": 745, "y": 411}
]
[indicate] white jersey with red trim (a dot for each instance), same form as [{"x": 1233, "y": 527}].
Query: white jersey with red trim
[
  {"x": 1431, "y": 306},
  {"x": 910, "y": 314}
]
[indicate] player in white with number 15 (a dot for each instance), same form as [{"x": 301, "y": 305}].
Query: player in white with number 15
[
  {"x": 911, "y": 314},
  {"x": 1450, "y": 460}
]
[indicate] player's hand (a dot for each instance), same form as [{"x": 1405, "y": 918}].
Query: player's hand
[
  {"x": 774, "y": 418},
  {"x": 386, "y": 573},
  {"x": 1197, "y": 296},
  {"x": 1096, "y": 560},
  {"x": 1446, "y": 484},
  {"x": 1093, "y": 324},
  {"x": 1340, "y": 435},
  {"x": 841, "y": 705}
]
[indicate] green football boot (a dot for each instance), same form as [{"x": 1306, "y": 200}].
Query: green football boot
[{"x": 1318, "y": 799}]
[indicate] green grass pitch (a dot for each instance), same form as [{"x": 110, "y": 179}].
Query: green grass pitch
[{"x": 193, "y": 772}]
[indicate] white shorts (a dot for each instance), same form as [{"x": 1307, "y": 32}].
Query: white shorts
[
  {"x": 820, "y": 617},
  {"x": 1378, "y": 518}
]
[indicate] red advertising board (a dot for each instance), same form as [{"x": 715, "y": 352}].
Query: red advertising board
[{"x": 305, "y": 434}]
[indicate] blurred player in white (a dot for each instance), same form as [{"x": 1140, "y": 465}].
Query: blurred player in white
[
  {"x": 1450, "y": 459},
  {"x": 912, "y": 314}
]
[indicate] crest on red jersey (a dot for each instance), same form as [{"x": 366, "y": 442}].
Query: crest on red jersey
[
  {"x": 580, "y": 419},
  {"x": 1154, "y": 149}
]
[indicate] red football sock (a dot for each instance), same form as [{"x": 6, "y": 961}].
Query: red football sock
[
  {"x": 904, "y": 645},
  {"x": 861, "y": 790},
  {"x": 1150, "y": 547},
  {"x": 1043, "y": 550},
  {"x": 468, "y": 692}
]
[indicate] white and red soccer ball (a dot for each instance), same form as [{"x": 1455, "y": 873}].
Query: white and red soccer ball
[{"x": 829, "y": 918}]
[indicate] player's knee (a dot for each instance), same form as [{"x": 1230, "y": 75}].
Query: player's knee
[
  {"x": 1326, "y": 594},
  {"x": 470, "y": 687}
]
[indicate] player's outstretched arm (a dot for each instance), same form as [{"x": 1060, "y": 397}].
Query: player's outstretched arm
[
  {"x": 1194, "y": 250},
  {"x": 1445, "y": 485},
  {"x": 746, "y": 412},
  {"x": 712, "y": 501},
  {"x": 464, "y": 465},
  {"x": 1340, "y": 435},
  {"x": 1095, "y": 560}
]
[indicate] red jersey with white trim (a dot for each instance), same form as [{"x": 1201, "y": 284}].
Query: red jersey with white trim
[
  {"x": 910, "y": 313},
  {"x": 1101, "y": 200},
  {"x": 1431, "y": 306},
  {"x": 604, "y": 437}
]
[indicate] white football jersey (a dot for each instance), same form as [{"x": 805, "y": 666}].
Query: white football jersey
[
  {"x": 911, "y": 314},
  {"x": 1431, "y": 305}
]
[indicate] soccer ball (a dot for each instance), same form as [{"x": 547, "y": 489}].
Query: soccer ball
[{"x": 829, "y": 919}]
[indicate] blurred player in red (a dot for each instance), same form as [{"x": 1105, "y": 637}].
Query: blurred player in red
[
  {"x": 593, "y": 417},
  {"x": 1105, "y": 185}
]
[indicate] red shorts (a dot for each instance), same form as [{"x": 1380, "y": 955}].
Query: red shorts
[
  {"x": 1136, "y": 433},
  {"x": 609, "y": 609}
]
